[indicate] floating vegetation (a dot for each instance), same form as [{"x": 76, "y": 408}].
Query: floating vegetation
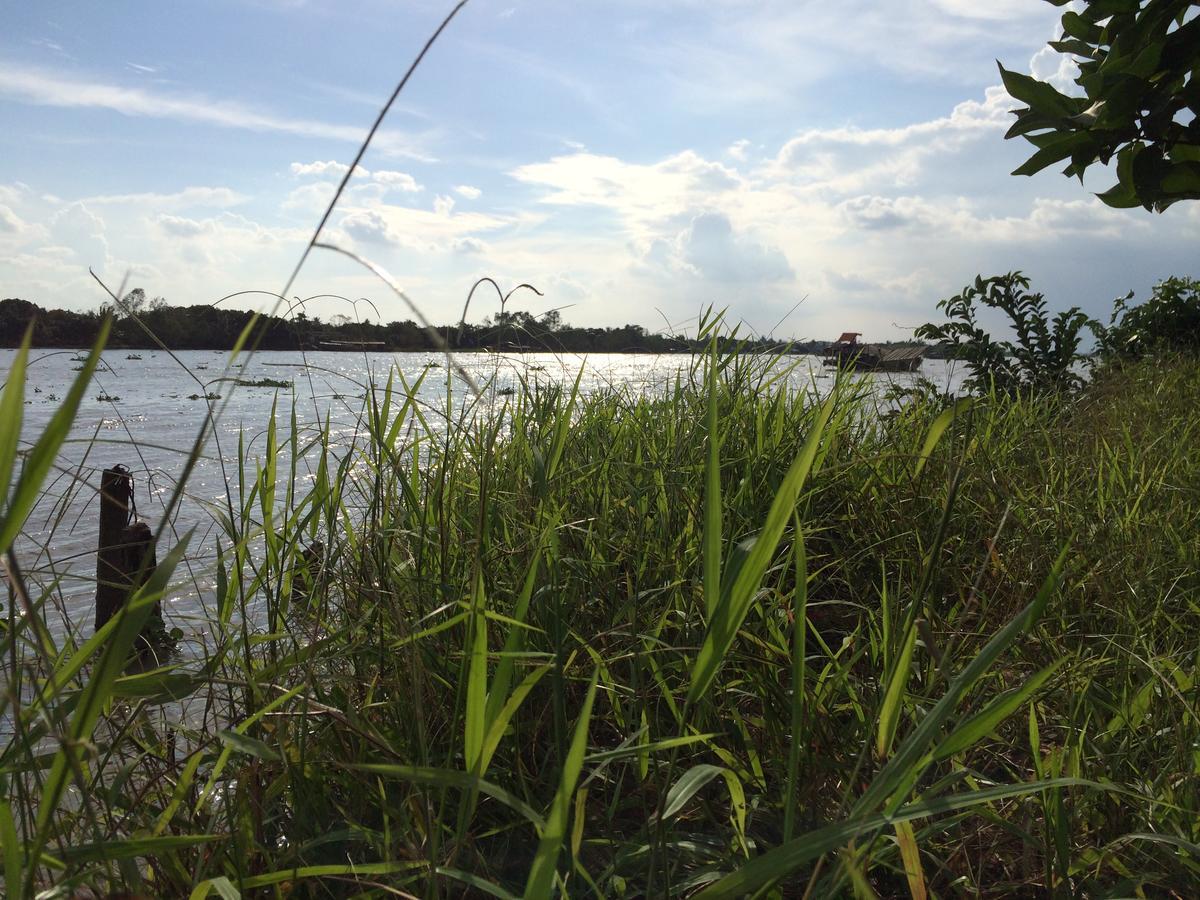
[
  {"x": 506, "y": 391},
  {"x": 133, "y": 356},
  {"x": 261, "y": 382},
  {"x": 209, "y": 396},
  {"x": 433, "y": 365},
  {"x": 202, "y": 366},
  {"x": 107, "y": 398}
]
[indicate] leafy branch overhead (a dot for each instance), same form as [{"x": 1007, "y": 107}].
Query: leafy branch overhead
[{"x": 1139, "y": 71}]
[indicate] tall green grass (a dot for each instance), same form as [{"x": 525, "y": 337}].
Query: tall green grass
[{"x": 726, "y": 639}]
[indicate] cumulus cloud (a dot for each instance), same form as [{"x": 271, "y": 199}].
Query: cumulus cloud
[
  {"x": 467, "y": 191},
  {"x": 712, "y": 249},
  {"x": 885, "y": 213},
  {"x": 400, "y": 181},
  {"x": 177, "y": 226},
  {"x": 369, "y": 227},
  {"x": 77, "y": 227},
  {"x": 468, "y": 245},
  {"x": 645, "y": 195},
  {"x": 10, "y": 221},
  {"x": 443, "y": 205},
  {"x": 326, "y": 168}
]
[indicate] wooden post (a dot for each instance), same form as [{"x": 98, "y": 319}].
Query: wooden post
[
  {"x": 126, "y": 555},
  {"x": 137, "y": 547},
  {"x": 116, "y": 491}
]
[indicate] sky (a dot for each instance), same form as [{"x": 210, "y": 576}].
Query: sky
[{"x": 809, "y": 167}]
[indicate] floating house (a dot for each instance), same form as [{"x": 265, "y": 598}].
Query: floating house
[{"x": 847, "y": 353}]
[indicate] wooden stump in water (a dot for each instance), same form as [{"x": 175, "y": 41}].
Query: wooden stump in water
[
  {"x": 112, "y": 585},
  {"x": 125, "y": 558}
]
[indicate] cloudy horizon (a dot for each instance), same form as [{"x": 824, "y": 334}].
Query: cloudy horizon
[{"x": 811, "y": 168}]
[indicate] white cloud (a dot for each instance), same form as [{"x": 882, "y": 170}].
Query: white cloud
[
  {"x": 10, "y": 221},
  {"x": 77, "y": 227},
  {"x": 400, "y": 181},
  {"x": 716, "y": 253},
  {"x": 467, "y": 191},
  {"x": 738, "y": 149},
  {"x": 369, "y": 227},
  {"x": 51, "y": 89},
  {"x": 322, "y": 168},
  {"x": 468, "y": 245},
  {"x": 177, "y": 226},
  {"x": 443, "y": 205},
  {"x": 215, "y": 197}
]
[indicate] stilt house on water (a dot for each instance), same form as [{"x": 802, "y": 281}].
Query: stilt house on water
[{"x": 846, "y": 352}]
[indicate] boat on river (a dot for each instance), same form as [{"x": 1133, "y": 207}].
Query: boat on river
[{"x": 847, "y": 353}]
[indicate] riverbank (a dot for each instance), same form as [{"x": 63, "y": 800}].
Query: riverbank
[{"x": 543, "y": 647}]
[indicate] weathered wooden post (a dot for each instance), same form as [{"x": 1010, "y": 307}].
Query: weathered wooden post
[
  {"x": 116, "y": 492},
  {"x": 125, "y": 557}
]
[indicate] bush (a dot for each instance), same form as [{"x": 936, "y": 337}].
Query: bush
[
  {"x": 1045, "y": 354},
  {"x": 1168, "y": 322}
]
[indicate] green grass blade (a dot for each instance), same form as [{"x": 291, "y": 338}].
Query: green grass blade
[
  {"x": 905, "y": 765},
  {"x": 41, "y": 457},
  {"x": 130, "y": 620},
  {"x": 12, "y": 412},
  {"x": 937, "y": 429},
  {"x": 450, "y": 778},
  {"x": 740, "y": 589},
  {"x": 685, "y": 788},
  {"x": 221, "y": 885},
  {"x": 712, "y": 493},
  {"x": 889, "y": 712},
  {"x": 986, "y": 720},
  {"x": 475, "y": 723},
  {"x": 541, "y": 874},
  {"x": 785, "y": 859},
  {"x": 481, "y": 885}
]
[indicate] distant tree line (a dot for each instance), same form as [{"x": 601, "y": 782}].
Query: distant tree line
[{"x": 217, "y": 328}]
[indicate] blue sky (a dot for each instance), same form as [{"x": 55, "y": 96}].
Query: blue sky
[{"x": 633, "y": 160}]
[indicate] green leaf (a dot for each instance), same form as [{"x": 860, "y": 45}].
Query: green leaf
[
  {"x": 1055, "y": 147},
  {"x": 1038, "y": 95},
  {"x": 686, "y": 787},
  {"x": 248, "y": 745}
]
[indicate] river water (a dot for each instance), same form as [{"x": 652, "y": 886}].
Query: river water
[{"x": 157, "y": 409}]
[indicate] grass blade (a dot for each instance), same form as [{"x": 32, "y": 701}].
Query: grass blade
[{"x": 541, "y": 874}]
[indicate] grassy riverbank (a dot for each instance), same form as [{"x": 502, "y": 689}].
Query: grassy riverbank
[{"x": 541, "y": 647}]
